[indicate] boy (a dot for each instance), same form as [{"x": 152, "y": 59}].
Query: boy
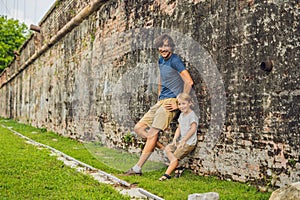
[{"x": 186, "y": 133}]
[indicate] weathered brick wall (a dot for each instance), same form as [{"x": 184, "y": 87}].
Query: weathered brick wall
[{"x": 99, "y": 79}]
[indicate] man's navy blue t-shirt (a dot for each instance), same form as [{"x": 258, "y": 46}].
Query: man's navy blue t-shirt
[{"x": 171, "y": 82}]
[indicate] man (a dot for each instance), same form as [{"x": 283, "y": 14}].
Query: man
[{"x": 174, "y": 79}]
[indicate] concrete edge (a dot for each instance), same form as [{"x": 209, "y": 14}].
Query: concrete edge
[{"x": 108, "y": 178}]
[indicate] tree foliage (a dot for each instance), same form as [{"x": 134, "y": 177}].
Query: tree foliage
[{"x": 12, "y": 36}]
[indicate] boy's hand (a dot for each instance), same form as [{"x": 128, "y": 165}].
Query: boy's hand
[
  {"x": 181, "y": 144},
  {"x": 174, "y": 142}
]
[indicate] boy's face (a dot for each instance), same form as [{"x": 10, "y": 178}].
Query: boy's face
[
  {"x": 184, "y": 106},
  {"x": 165, "y": 50}
]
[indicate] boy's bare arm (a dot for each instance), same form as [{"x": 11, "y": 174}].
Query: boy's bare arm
[
  {"x": 176, "y": 135},
  {"x": 192, "y": 130}
]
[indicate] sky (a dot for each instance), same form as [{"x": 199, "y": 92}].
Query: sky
[{"x": 27, "y": 11}]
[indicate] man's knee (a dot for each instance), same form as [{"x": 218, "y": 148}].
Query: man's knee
[
  {"x": 153, "y": 133},
  {"x": 139, "y": 129}
]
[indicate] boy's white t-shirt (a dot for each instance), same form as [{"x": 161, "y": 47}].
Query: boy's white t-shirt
[{"x": 185, "y": 122}]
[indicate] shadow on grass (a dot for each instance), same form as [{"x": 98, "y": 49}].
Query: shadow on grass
[{"x": 119, "y": 159}]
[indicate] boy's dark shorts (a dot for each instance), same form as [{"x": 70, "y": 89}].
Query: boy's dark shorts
[{"x": 180, "y": 152}]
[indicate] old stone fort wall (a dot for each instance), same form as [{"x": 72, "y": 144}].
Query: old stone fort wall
[{"x": 90, "y": 73}]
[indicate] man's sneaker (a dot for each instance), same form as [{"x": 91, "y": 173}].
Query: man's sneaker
[{"x": 131, "y": 172}]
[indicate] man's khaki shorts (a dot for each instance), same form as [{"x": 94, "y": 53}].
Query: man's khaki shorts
[
  {"x": 181, "y": 152},
  {"x": 157, "y": 116}
]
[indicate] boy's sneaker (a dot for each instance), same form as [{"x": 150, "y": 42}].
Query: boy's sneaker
[{"x": 131, "y": 172}]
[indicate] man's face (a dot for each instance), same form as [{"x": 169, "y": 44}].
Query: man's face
[{"x": 165, "y": 50}]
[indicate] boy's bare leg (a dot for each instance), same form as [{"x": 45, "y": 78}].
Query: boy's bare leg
[{"x": 173, "y": 162}]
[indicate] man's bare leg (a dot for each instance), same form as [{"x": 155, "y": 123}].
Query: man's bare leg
[
  {"x": 140, "y": 130},
  {"x": 152, "y": 136},
  {"x": 160, "y": 145},
  {"x": 151, "y": 141}
]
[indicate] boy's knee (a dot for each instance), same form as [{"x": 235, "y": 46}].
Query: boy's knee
[
  {"x": 170, "y": 147},
  {"x": 152, "y": 136},
  {"x": 167, "y": 148},
  {"x": 174, "y": 161}
]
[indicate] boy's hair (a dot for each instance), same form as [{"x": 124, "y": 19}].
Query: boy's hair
[
  {"x": 186, "y": 97},
  {"x": 160, "y": 41}
]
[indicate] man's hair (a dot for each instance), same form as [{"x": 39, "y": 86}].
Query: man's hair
[{"x": 160, "y": 41}]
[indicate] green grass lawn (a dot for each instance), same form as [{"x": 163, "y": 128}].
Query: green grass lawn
[
  {"x": 40, "y": 176},
  {"x": 29, "y": 172}
]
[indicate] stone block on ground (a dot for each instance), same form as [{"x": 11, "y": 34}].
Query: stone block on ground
[
  {"x": 289, "y": 192},
  {"x": 204, "y": 196}
]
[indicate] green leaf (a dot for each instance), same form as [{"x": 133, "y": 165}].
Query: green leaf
[{"x": 12, "y": 35}]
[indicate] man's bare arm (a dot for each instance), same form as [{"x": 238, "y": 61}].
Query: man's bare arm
[{"x": 188, "y": 81}]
